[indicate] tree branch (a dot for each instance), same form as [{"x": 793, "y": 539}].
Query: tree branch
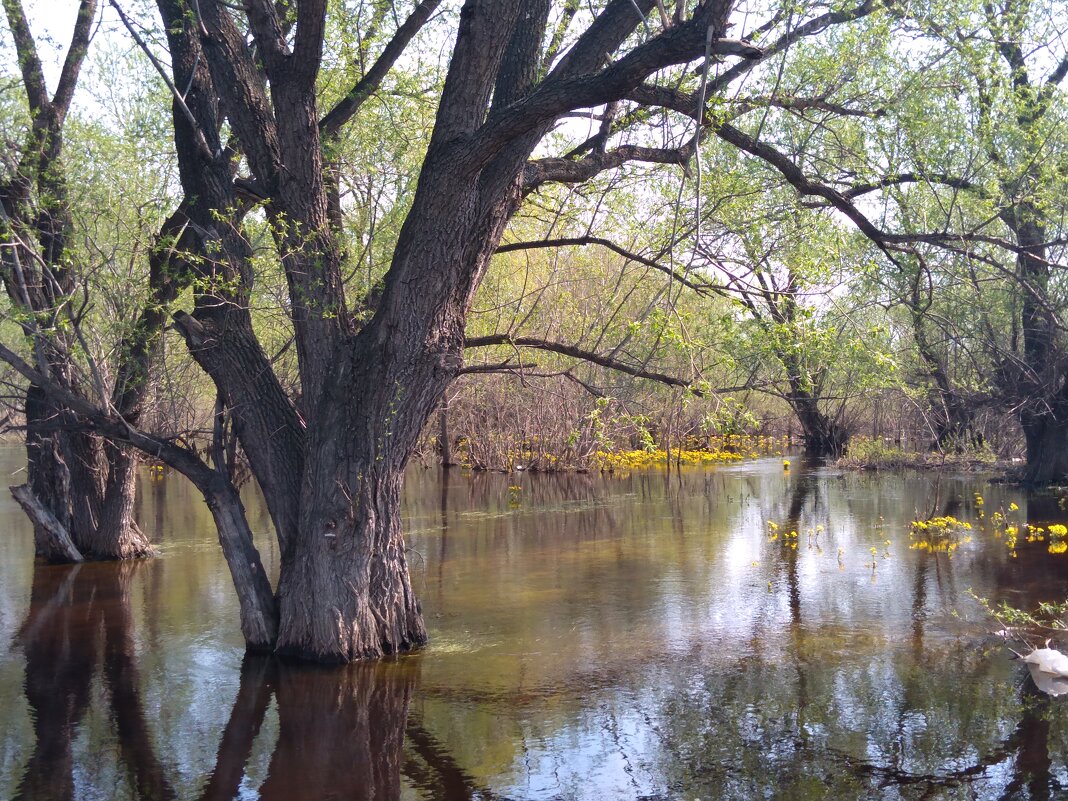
[
  {"x": 241, "y": 88},
  {"x": 72, "y": 64},
  {"x": 943, "y": 179},
  {"x": 184, "y": 460},
  {"x": 700, "y": 288},
  {"x": 267, "y": 31},
  {"x": 570, "y": 171},
  {"x": 584, "y": 355},
  {"x": 810, "y": 28},
  {"x": 29, "y": 62},
  {"x": 564, "y": 91},
  {"x": 335, "y": 119}
]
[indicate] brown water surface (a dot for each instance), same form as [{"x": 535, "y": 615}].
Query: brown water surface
[{"x": 593, "y": 638}]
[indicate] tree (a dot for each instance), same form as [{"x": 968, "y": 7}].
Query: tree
[
  {"x": 372, "y": 368},
  {"x": 786, "y": 269},
  {"x": 80, "y": 488},
  {"x": 1008, "y": 63}
]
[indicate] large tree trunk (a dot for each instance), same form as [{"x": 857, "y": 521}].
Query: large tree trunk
[
  {"x": 85, "y": 484},
  {"x": 1039, "y": 389},
  {"x": 823, "y": 437},
  {"x": 1046, "y": 438},
  {"x": 117, "y": 535},
  {"x": 331, "y": 461},
  {"x": 345, "y": 592},
  {"x": 69, "y": 474}
]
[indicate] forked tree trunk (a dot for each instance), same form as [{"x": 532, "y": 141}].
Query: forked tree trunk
[
  {"x": 85, "y": 485},
  {"x": 331, "y": 466}
]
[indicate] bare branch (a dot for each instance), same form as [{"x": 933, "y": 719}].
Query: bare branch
[
  {"x": 111, "y": 426},
  {"x": 562, "y": 170},
  {"x": 700, "y": 288},
  {"x": 570, "y": 86},
  {"x": 810, "y": 28},
  {"x": 335, "y": 119},
  {"x": 179, "y": 100},
  {"x": 579, "y": 353}
]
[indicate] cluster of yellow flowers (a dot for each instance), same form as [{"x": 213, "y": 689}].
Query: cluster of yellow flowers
[
  {"x": 1058, "y": 538},
  {"x": 789, "y": 538},
  {"x": 939, "y": 534},
  {"x": 637, "y": 460},
  {"x": 716, "y": 450},
  {"x": 1003, "y": 526}
]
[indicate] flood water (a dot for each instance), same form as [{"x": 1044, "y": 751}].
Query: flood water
[{"x": 593, "y": 638}]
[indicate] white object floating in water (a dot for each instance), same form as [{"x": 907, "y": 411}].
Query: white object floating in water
[{"x": 1049, "y": 670}]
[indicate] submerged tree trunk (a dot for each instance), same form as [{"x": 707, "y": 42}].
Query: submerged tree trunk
[
  {"x": 345, "y": 591},
  {"x": 85, "y": 484},
  {"x": 259, "y": 616},
  {"x": 1046, "y": 438},
  {"x": 51, "y": 537},
  {"x": 822, "y": 436},
  {"x": 1039, "y": 381}
]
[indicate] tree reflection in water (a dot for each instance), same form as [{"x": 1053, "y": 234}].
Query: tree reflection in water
[
  {"x": 79, "y": 623},
  {"x": 342, "y": 731}
]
